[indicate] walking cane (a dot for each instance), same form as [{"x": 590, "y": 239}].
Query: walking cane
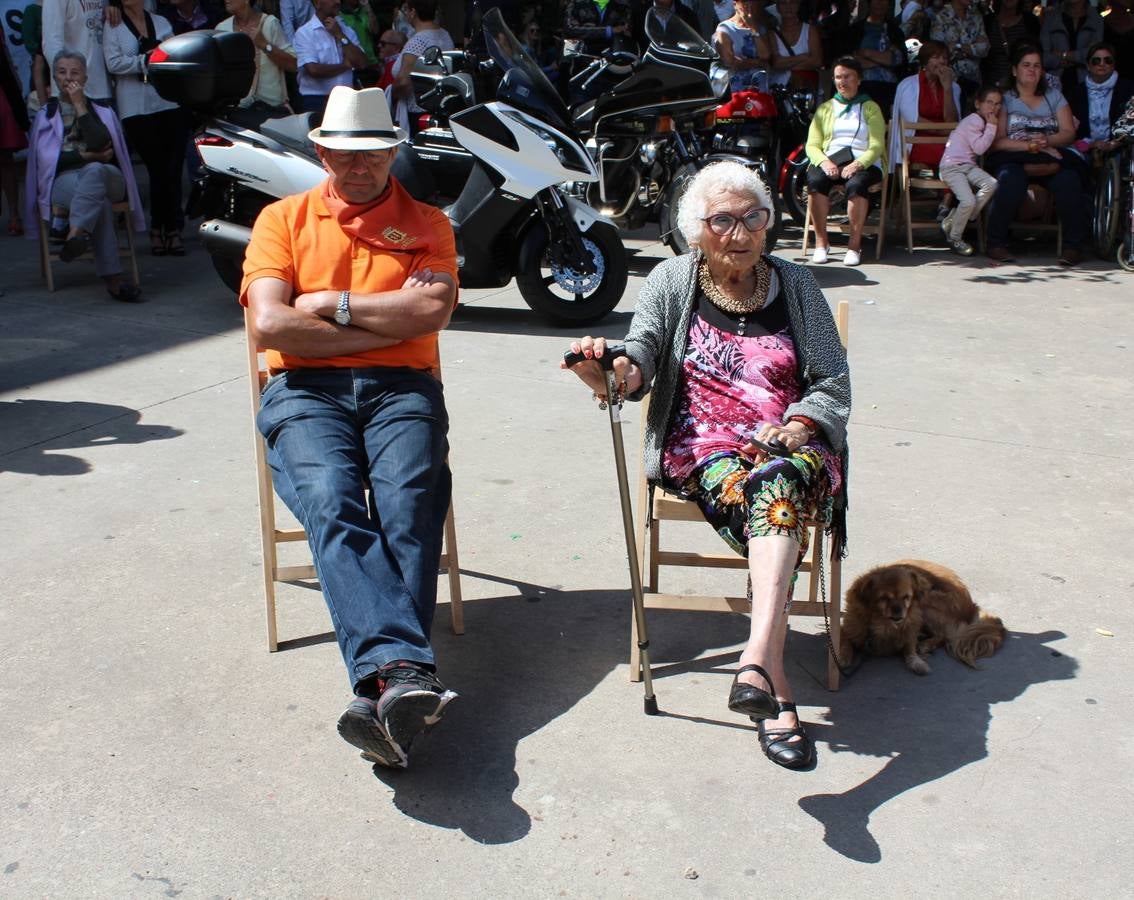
[{"x": 614, "y": 408}]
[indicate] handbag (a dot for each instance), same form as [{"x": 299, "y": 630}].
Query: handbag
[
  {"x": 1035, "y": 165},
  {"x": 844, "y": 156}
]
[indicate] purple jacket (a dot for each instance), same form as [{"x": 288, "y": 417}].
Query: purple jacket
[
  {"x": 972, "y": 137},
  {"x": 46, "y": 140}
]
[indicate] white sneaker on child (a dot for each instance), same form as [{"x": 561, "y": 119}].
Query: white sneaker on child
[
  {"x": 853, "y": 258},
  {"x": 820, "y": 254}
]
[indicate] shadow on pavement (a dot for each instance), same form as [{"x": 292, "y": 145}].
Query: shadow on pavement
[
  {"x": 552, "y": 648},
  {"x": 93, "y": 425},
  {"x": 928, "y": 727}
]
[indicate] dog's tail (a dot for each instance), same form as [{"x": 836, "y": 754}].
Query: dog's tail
[{"x": 977, "y": 639}]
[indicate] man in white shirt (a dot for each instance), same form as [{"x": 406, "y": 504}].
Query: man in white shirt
[
  {"x": 77, "y": 25},
  {"x": 327, "y": 53}
]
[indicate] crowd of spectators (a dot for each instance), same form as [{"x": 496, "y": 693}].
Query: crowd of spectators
[{"x": 304, "y": 48}]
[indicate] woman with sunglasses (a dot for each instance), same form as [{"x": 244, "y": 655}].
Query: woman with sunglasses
[
  {"x": 739, "y": 349},
  {"x": 1100, "y": 100}
]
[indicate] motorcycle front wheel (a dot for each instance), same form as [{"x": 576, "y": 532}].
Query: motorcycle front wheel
[
  {"x": 563, "y": 296},
  {"x": 794, "y": 198}
]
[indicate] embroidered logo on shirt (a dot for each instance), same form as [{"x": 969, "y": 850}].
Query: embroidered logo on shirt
[{"x": 396, "y": 235}]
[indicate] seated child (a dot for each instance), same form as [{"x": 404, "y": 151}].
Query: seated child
[{"x": 971, "y": 138}]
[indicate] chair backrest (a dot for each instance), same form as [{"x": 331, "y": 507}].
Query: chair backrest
[{"x": 924, "y": 132}]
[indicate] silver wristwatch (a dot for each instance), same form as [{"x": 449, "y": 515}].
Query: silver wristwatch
[
  {"x": 342, "y": 312},
  {"x": 268, "y": 49},
  {"x": 345, "y": 41}
]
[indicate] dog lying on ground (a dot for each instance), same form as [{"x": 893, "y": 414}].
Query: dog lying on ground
[{"x": 911, "y": 608}]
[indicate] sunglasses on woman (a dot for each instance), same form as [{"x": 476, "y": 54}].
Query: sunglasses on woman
[
  {"x": 754, "y": 220},
  {"x": 1102, "y": 60}
]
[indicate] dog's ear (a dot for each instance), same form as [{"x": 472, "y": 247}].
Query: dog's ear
[{"x": 921, "y": 581}]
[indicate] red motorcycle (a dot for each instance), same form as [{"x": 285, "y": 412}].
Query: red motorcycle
[{"x": 770, "y": 130}]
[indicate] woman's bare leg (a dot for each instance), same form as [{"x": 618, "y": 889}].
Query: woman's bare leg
[
  {"x": 771, "y": 562},
  {"x": 820, "y": 206},
  {"x": 857, "y": 208}
]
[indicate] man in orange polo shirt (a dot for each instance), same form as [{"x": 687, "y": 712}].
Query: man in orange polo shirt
[{"x": 349, "y": 285}]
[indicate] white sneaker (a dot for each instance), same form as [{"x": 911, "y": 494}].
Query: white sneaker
[
  {"x": 820, "y": 254},
  {"x": 853, "y": 258},
  {"x": 947, "y": 226}
]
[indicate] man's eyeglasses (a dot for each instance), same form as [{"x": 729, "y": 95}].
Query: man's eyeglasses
[
  {"x": 724, "y": 223},
  {"x": 1102, "y": 60},
  {"x": 370, "y": 157}
]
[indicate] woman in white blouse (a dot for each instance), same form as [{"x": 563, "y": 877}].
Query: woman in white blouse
[{"x": 156, "y": 129}]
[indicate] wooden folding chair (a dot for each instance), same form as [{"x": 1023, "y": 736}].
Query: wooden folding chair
[
  {"x": 651, "y": 556},
  {"x": 876, "y": 229},
  {"x": 1046, "y": 223},
  {"x": 49, "y": 254},
  {"x": 271, "y": 536},
  {"x": 909, "y": 179}
]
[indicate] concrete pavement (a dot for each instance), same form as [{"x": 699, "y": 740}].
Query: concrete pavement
[{"x": 153, "y": 747}]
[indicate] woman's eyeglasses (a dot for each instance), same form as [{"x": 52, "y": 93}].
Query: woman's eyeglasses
[
  {"x": 1102, "y": 60},
  {"x": 725, "y": 223}
]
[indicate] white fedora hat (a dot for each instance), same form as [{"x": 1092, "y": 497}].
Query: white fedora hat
[{"x": 357, "y": 120}]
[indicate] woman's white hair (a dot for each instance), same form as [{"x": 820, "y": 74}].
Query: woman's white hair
[{"x": 717, "y": 178}]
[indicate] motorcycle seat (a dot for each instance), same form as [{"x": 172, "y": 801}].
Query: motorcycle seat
[{"x": 291, "y": 131}]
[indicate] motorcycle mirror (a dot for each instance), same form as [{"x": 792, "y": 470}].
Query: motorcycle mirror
[{"x": 432, "y": 56}]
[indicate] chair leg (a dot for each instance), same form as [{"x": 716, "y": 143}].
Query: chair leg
[
  {"x": 806, "y": 226},
  {"x": 883, "y": 210},
  {"x": 908, "y": 211},
  {"x": 834, "y": 615},
  {"x": 45, "y": 257},
  {"x": 456, "y": 608},
  {"x": 133, "y": 252}
]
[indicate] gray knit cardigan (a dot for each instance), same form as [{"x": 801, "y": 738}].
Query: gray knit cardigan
[{"x": 659, "y": 333}]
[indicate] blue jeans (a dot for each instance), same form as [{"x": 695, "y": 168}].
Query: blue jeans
[
  {"x": 1067, "y": 192},
  {"x": 330, "y": 432}
]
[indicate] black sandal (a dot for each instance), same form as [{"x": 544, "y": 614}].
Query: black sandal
[
  {"x": 126, "y": 293},
  {"x": 173, "y": 244},
  {"x": 778, "y": 746},
  {"x": 751, "y": 701},
  {"x": 157, "y": 242},
  {"x": 74, "y": 247}
]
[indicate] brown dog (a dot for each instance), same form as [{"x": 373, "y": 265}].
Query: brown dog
[{"x": 911, "y": 608}]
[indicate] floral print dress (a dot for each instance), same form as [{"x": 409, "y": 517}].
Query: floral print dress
[{"x": 739, "y": 372}]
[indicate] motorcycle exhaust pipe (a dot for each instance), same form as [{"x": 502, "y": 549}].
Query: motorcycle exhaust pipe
[{"x": 223, "y": 238}]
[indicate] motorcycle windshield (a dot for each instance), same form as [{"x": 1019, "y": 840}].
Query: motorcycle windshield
[
  {"x": 675, "y": 36},
  {"x": 523, "y": 84}
]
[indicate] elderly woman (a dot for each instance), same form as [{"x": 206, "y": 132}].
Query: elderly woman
[
  {"x": 1035, "y": 129},
  {"x": 740, "y": 349},
  {"x": 78, "y": 161},
  {"x": 744, "y": 48},
  {"x": 1098, "y": 102},
  {"x": 845, "y": 145}
]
